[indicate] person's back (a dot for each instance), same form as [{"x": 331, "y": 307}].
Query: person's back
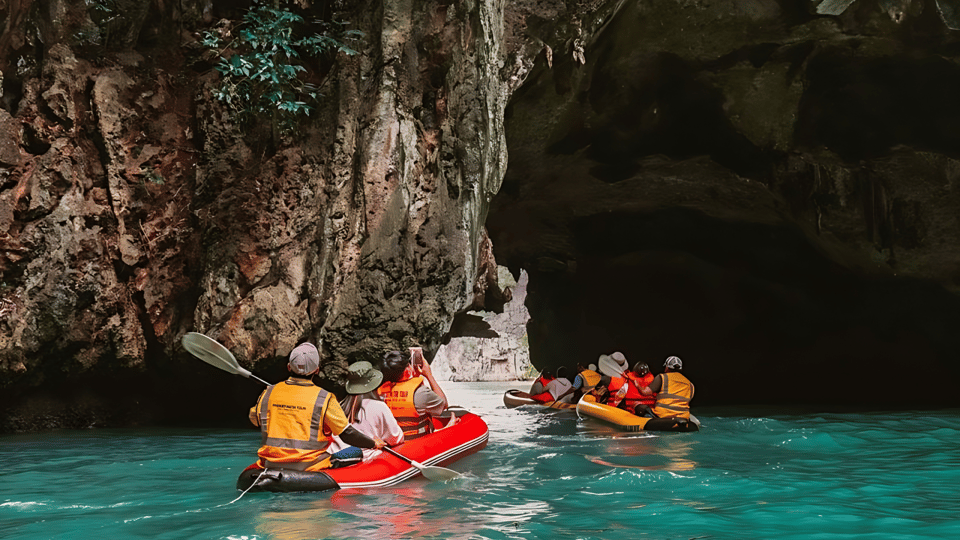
[
  {"x": 674, "y": 391},
  {"x": 366, "y": 411},
  {"x": 560, "y": 387},
  {"x": 539, "y": 386},
  {"x": 297, "y": 419},
  {"x": 412, "y": 403},
  {"x": 373, "y": 418},
  {"x": 587, "y": 378}
]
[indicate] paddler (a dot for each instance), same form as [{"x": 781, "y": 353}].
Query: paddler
[
  {"x": 560, "y": 387},
  {"x": 625, "y": 389},
  {"x": 538, "y": 390},
  {"x": 674, "y": 391},
  {"x": 586, "y": 380},
  {"x": 298, "y": 418}
]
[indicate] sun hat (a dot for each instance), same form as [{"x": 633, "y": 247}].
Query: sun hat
[
  {"x": 620, "y": 358},
  {"x": 362, "y": 378},
  {"x": 673, "y": 362},
  {"x": 304, "y": 359}
]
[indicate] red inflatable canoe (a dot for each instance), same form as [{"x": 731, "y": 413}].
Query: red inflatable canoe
[{"x": 439, "y": 448}]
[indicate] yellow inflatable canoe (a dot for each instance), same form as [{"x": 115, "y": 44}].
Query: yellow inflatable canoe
[{"x": 587, "y": 406}]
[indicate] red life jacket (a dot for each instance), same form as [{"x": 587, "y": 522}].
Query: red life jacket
[{"x": 634, "y": 383}]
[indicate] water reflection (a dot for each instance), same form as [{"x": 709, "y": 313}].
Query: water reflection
[
  {"x": 645, "y": 451},
  {"x": 410, "y": 511}
]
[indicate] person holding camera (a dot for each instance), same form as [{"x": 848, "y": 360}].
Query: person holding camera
[{"x": 412, "y": 392}]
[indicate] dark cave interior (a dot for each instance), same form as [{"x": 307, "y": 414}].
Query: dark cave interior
[
  {"x": 760, "y": 312},
  {"x": 757, "y": 313}
]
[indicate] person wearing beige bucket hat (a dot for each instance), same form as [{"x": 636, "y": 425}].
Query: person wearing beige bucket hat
[{"x": 367, "y": 412}]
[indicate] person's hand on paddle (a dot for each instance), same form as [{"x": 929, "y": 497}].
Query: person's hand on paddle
[{"x": 378, "y": 443}]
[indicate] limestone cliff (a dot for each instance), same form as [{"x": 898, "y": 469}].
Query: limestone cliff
[
  {"x": 498, "y": 350},
  {"x": 135, "y": 207}
]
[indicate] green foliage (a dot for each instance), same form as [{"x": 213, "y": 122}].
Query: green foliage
[
  {"x": 262, "y": 63},
  {"x": 102, "y": 13}
]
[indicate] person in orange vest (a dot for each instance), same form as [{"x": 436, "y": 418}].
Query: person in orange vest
[
  {"x": 413, "y": 403},
  {"x": 586, "y": 380},
  {"x": 625, "y": 390},
  {"x": 639, "y": 378},
  {"x": 539, "y": 389},
  {"x": 539, "y": 386},
  {"x": 674, "y": 391},
  {"x": 297, "y": 418}
]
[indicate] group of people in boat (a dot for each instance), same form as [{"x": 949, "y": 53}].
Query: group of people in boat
[
  {"x": 305, "y": 428},
  {"x": 635, "y": 389}
]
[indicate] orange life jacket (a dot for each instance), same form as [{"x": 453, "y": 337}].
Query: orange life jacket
[
  {"x": 399, "y": 396},
  {"x": 291, "y": 422},
  {"x": 673, "y": 401},
  {"x": 634, "y": 383},
  {"x": 590, "y": 380}
]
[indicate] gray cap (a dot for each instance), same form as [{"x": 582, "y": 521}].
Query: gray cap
[
  {"x": 304, "y": 359},
  {"x": 673, "y": 362}
]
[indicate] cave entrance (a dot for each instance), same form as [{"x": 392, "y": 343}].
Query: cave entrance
[{"x": 757, "y": 313}]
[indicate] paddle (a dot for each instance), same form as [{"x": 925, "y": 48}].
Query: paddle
[
  {"x": 611, "y": 368},
  {"x": 215, "y": 354},
  {"x": 212, "y": 352},
  {"x": 429, "y": 472}
]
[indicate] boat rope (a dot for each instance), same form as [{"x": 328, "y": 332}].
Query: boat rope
[{"x": 264, "y": 471}]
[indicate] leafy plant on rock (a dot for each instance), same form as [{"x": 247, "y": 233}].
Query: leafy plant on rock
[{"x": 262, "y": 63}]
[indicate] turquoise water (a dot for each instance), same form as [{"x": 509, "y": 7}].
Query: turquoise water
[{"x": 545, "y": 474}]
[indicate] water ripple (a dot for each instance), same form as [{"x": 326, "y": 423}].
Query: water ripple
[{"x": 544, "y": 474}]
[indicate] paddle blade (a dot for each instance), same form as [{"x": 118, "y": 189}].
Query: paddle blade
[
  {"x": 439, "y": 474},
  {"x": 429, "y": 472},
  {"x": 212, "y": 352}
]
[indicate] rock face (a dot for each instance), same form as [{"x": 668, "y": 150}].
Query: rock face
[
  {"x": 502, "y": 356},
  {"x": 758, "y": 186},
  {"x": 135, "y": 208},
  {"x": 765, "y": 191}
]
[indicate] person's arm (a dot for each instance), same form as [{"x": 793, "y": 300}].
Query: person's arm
[
  {"x": 654, "y": 387},
  {"x": 335, "y": 421},
  {"x": 254, "y": 415},
  {"x": 355, "y": 437},
  {"x": 389, "y": 430},
  {"x": 427, "y": 372}
]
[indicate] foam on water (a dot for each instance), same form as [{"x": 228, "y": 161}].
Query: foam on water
[{"x": 544, "y": 474}]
